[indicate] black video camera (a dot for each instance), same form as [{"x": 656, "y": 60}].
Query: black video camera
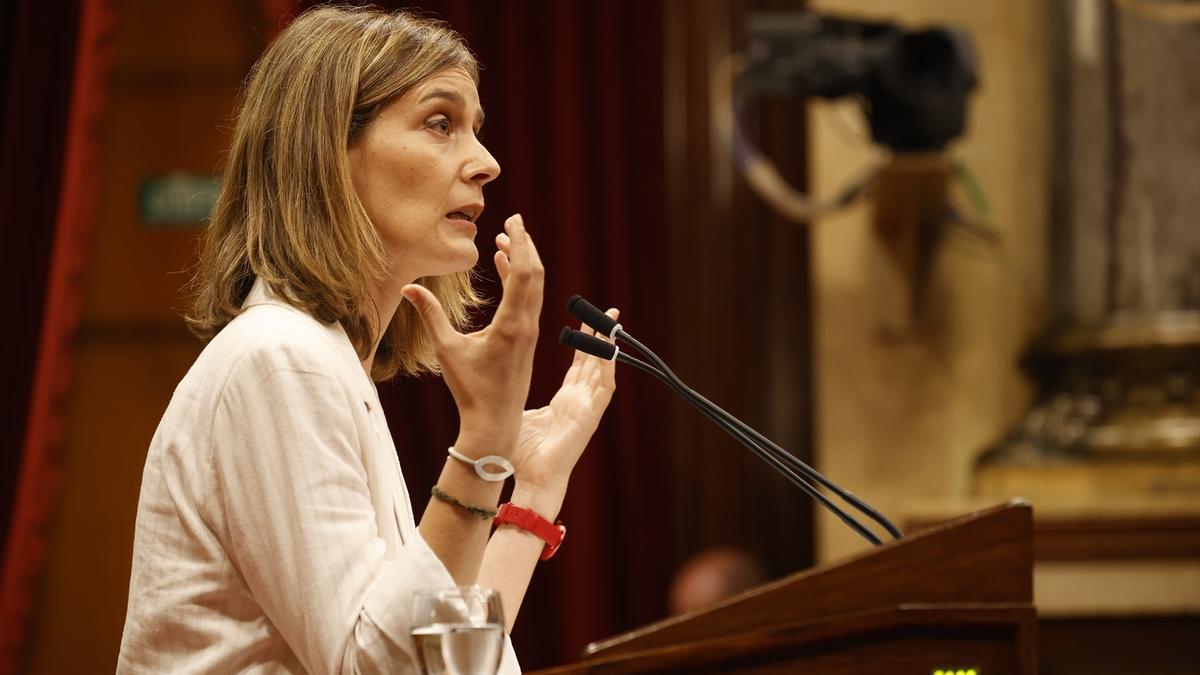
[{"x": 915, "y": 83}]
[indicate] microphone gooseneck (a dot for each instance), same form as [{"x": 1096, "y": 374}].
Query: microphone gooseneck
[
  {"x": 715, "y": 414},
  {"x": 792, "y": 460},
  {"x": 782, "y": 461}
]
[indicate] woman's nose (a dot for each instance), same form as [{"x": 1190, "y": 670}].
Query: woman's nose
[{"x": 483, "y": 168}]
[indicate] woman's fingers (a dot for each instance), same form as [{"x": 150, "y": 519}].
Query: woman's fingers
[
  {"x": 539, "y": 276},
  {"x": 590, "y": 364},
  {"x": 581, "y": 358},
  {"x": 501, "y": 259},
  {"x": 522, "y": 299},
  {"x": 608, "y": 376},
  {"x": 524, "y": 261},
  {"x": 578, "y": 361},
  {"x": 583, "y": 363},
  {"x": 431, "y": 313}
]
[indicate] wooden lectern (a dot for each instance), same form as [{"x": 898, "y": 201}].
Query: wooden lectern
[{"x": 955, "y": 598}]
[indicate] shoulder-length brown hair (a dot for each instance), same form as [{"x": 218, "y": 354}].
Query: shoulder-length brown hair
[{"x": 288, "y": 212}]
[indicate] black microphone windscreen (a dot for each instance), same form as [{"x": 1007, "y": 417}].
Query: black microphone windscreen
[
  {"x": 587, "y": 344},
  {"x": 586, "y": 312}
]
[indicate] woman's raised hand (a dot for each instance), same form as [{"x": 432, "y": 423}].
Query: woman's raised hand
[
  {"x": 488, "y": 371},
  {"x": 553, "y": 437},
  {"x": 488, "y": 374}
]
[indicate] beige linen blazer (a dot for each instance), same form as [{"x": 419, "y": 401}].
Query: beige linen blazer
[{"x": 274, "y": 529}]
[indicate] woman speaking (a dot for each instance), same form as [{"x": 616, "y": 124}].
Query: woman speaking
[{"x": 274, "y": 529}]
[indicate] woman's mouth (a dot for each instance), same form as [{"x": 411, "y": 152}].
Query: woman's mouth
[{"x": 462, "y": 222}]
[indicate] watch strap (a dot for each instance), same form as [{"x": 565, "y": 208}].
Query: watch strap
[{"x": 531, "y": 521}]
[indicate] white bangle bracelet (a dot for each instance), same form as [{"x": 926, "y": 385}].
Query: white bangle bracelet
[{"x": 505, "y": 466}]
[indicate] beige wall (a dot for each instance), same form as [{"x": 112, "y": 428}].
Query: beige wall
[{"x": 902, "y": 413}]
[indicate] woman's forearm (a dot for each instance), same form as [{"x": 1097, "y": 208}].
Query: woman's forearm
[
  {"x": 455, "y": 535},
  {"x": 512, "y": 554}
]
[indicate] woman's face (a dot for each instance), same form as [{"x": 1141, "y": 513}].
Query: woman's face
[{"x": 419, "y": 170}]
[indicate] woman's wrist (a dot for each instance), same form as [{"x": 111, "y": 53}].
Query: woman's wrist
[
  {"x": 480, "y": 443},
  {"x": 460, "y": 480},
  {"x": 546, "y": 502}
]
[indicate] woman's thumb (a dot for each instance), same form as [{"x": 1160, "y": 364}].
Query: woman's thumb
[{"x": 430, "y": 311}]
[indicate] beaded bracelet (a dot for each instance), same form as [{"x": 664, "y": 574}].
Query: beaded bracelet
[{"x": 485, "y": 514}]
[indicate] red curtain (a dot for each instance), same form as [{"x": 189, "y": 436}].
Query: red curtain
[
  {"x": 36, "y": 77},
  {"x": 573, "y": 93},
  {"x": 55, "y": 61}
]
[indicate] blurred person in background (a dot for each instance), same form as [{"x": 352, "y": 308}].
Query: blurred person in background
[{"x": 714, "y": 575}]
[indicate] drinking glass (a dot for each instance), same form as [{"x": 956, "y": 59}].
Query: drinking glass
[{"x": 458, "y": 631}]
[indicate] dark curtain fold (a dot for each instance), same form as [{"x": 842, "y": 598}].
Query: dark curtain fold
[
  {"x": 38, "y": 52},
  {"x": 55, "y": 69},
  {"x": 36, "y": 82},
  {"x": 573, "y": 93}
]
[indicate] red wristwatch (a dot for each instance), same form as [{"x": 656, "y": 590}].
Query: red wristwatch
[{"x": 528, "y": 519}]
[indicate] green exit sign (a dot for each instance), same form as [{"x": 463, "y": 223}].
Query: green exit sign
[{"x": 177, "y": 200}]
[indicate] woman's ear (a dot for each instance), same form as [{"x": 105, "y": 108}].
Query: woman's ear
[{"x": 360, "y": 119}]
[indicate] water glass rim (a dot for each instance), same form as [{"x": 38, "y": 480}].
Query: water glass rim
[{"x": 473, "y": 590}]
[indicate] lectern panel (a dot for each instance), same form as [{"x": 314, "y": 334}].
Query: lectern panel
[{"x": 956, "y": 598}]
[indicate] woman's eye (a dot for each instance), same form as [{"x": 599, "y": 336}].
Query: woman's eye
[{"x": 440, "y": 124}]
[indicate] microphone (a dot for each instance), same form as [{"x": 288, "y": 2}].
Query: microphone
[
  {"x": 588, "y": 313},
  {"x": 588, "y": 344},
  {"x": 794, "y": 470}
]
